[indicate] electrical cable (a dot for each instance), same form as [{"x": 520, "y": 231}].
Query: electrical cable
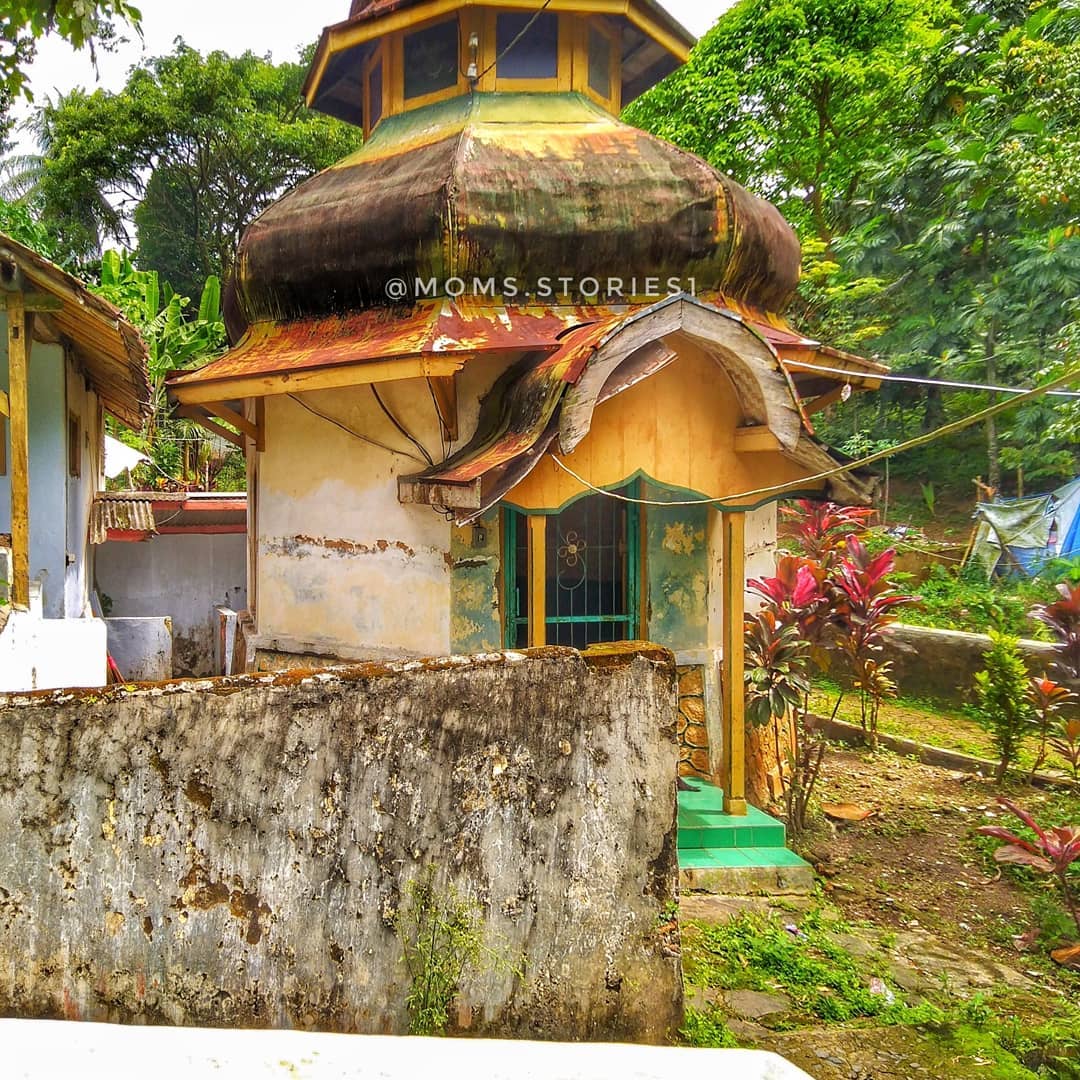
[
  {"x": 778, "y": 490},
  {"x": 922, "y": 381},
  {"x": 394, "y": 420},
  {"x": 349, "y": 431},
  {"x": 509, "y": 48}
]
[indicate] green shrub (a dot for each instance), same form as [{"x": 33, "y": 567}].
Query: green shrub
[{"x": 1001, "y": 691}]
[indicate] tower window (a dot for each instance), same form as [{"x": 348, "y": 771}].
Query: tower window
[
  {"x": 431, "y": 59},
  {"x": 375, "y": 95},
  {"x": 599, "y": 63},
  {"x": 527, "y": 51}
]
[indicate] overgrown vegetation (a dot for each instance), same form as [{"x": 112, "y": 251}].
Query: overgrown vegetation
[
  {"x": 441, "y": 939},
  {"x": 1001, "y": 690}
]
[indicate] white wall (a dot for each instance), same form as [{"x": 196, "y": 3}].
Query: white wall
[
  {"x": 183, "y": 577},
  {"x": 59, "y": 504},
  {"x": 49, "y": 654}
]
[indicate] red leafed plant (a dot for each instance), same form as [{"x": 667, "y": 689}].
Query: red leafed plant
[
  {"x": 1052, "y": 852},
  {"x": 1063, "y": 619},
  {"x": 866, "y": 602},
  {"x": 1068, "y": 745},
  {"x": 823, "y": 528},
  {"x": 1047, "y": 698}
]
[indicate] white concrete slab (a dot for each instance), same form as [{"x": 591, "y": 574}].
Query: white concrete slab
[{"x": 42, "y": 1050}]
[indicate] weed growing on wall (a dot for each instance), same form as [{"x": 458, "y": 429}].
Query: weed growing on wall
[{"x": 442, "y": 938}]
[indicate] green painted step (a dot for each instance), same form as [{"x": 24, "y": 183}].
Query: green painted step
[
  {"x": 703, "y": 825},
  {"x": 738, "y": 858}
]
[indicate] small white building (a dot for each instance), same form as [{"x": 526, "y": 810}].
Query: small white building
[{"x": 66, "y": 357}]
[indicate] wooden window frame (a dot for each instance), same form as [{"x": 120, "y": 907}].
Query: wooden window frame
[
  {"x": 399, "y": 103},
  {"x": 581, "y": 69},
  {"x": 563, "y": 80},
  {"x": 377, "y": 56},
  {"x": 74, "y": 448}
]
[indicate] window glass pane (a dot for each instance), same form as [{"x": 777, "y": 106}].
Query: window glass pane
[
  {"x": 599, "y": 63},
  {"x": 431, "y": 59},
  {"x": 375, "y": 95},
  {"x": 536, "y": 55}
]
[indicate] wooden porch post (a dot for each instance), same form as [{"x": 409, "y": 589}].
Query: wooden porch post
[
  {"x": 19, "y": 326},
  {"x": 537, "y": 580},
  {"x": 733, "y": 526}
]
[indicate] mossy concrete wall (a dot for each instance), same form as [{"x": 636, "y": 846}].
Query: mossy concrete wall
[{"x": 234, "y": 852}]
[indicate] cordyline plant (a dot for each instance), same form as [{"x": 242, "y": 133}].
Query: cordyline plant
[
  {"x": 1053, "y": 852},
  {"x": 1046, "y": 698},
  {"x": 864, "y": 610},
  {"x": 1068, "y": 745},
  {"x": 843, "y": 591},
  {"x": 1063, "y": 619},
  {"x": 823, "y": 528}
]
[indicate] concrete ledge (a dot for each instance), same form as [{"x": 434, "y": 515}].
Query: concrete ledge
[
  {"x": 36, "y": 1050},
  {"x": 749, "y": 880},
  {"x": 852, "y": 735}
]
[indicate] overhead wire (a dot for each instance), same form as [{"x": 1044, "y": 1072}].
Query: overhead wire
[
  {"x": 349, "y": 431},
  {"x": 922, "y": 380},
  {"x": 778, "y": 490},
  {"x": 401, "y": 428}
]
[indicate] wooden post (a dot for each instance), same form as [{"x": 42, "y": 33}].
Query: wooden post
[
  {"x": 733, "y": 526},
  {"x": 19, "y": 326},
  {"x": 537, "y": 580}
]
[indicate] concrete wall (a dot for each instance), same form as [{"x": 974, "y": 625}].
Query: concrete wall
[
  {"x": 59, "y": 503},
  {"x": 142, "y": 649},
  {"x": 234, "y": 853},
  {"x": 46, "y": 654},
  {"x": 941, "y": 664},
  {"x": 180, "y": 576}
]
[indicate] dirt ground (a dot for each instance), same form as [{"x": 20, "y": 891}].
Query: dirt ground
[{"x": 921, "y": 901}]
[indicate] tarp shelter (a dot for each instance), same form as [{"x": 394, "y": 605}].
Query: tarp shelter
[{"x": 1022, "y": 535}]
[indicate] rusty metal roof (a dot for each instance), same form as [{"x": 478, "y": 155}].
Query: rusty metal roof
[
  {"x": 121, "y": 511},
  {"x": 107, "y": 347}
]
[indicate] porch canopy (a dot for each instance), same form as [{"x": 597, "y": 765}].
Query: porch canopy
[{"x": 46, "y": 304}]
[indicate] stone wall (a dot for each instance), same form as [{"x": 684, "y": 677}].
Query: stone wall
[
  {"x": 693, "y": 732},
  {"x": 234, "y": 852}
]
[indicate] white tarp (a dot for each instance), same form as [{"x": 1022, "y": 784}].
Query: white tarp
[{"x": 120, "y": 457}]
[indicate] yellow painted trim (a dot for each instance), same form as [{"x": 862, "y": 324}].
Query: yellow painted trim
[
  {"x": 345, "y": 36},
  {"x": 295, "y": 382},
  {"x": 610, "y": 103},
  {"x": 19, "y": 328},
  {"x": 527, "y": 86},
  {"x": 5, "y": 407},
  {"x": 378, "y": 55},
  {"x": 733, "y": 574},
  {"x": 752, "y": 440},
  {"x": 537, "y": 581},
  {"x": 459, "y": 87}
]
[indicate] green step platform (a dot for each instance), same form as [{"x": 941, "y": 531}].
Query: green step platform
[{"x": 736, "y": 855}]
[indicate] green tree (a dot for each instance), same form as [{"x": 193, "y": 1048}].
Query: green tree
[
  {"x": 792, "y": 97},
  {"x": 83, "y": 23},
  {"x": 193, "y": 146}
]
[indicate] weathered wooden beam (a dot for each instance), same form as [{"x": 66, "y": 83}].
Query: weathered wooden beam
[
  {"x": 733, "y": 527},
  {"x": 823, "y": 401},
  {"x": 755, "y": 440},
  {"x": 204, "y": 421},
  {"x": 444, "y": 391},
  {"x": 5, "y": 407},
  {"x": 537, "y": 581},
  {"x": 299, "y": 381},
  {"x": 19, "y": 327},
  {"x": 36, "y": 301},
  {"x": 230, "y": 416}
]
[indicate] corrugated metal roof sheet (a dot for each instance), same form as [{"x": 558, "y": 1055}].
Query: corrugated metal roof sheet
[{"x": 121, "y": 512}]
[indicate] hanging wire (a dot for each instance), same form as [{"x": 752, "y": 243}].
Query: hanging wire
[
  {"x": 778, "y": 490},
  {"x": 509, "y": 48},
  {"x": 401, "y": 428},
  {"x": 921, "y": 381},
  {"x": 350, "y": 431}
]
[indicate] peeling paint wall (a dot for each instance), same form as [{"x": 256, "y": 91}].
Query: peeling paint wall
[
  {"x": 476, "y": 565},
  {"x": 234, "y": 852}
]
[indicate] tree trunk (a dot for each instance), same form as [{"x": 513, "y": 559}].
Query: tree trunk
[{"x": 993, "y": 449}]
